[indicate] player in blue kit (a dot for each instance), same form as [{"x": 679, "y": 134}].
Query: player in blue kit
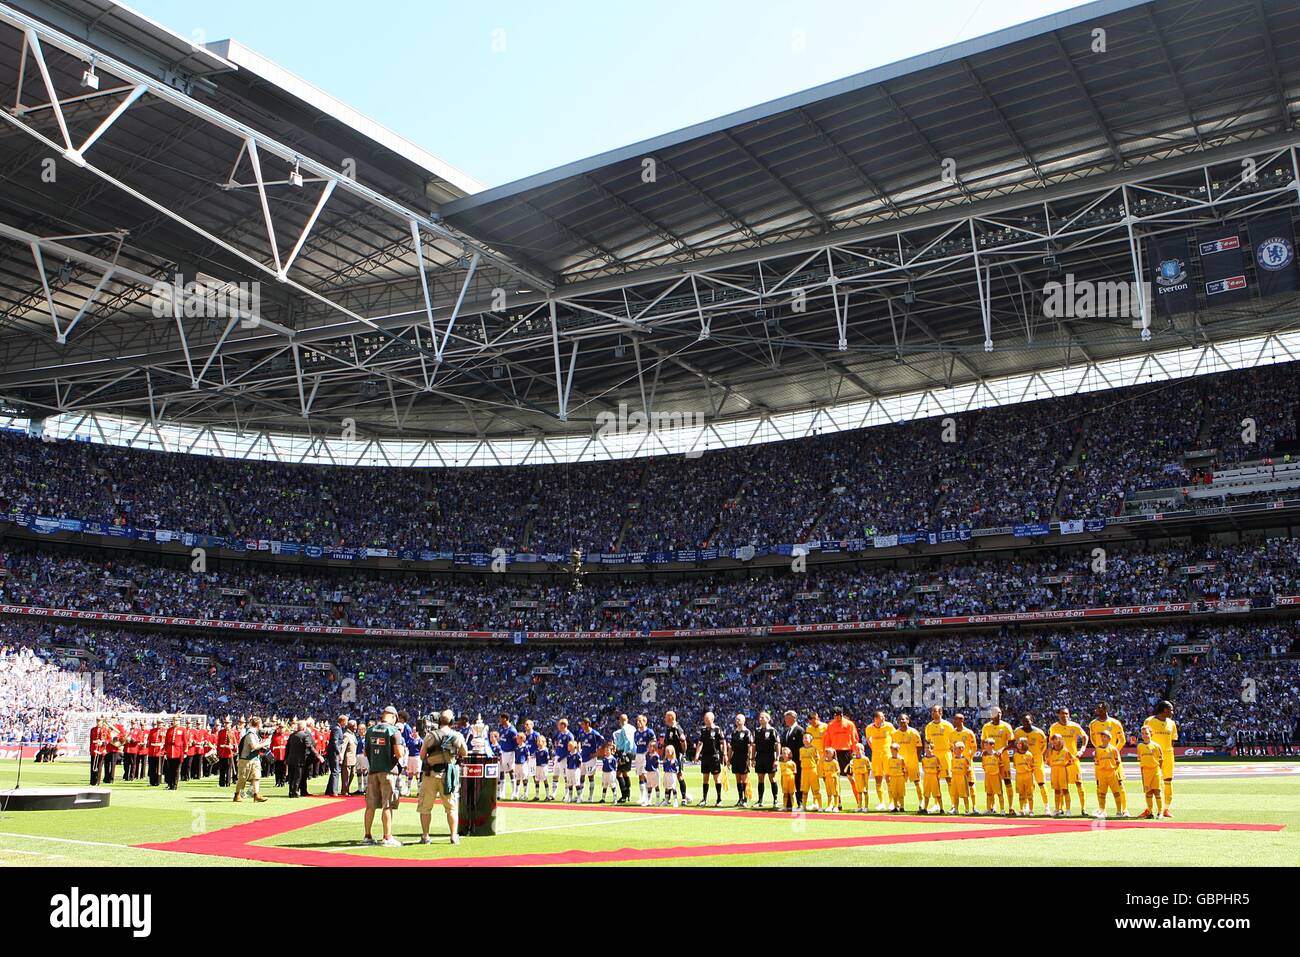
[
  {"x": 650, "y": 789},
  {"x": 672, "y": 774},
  {"x": 642, "y": 738},
  {"x": 506, "y": 734},
  {"x": 541, "y": 758},
  {"x": 523, "y": 764},
  {"x": 590, "y": 742},
  {"x": 572, "y": 773},
  {"x": 560, "y": 748},
  {"x": 608, "y": 772},
  {"x": 408, "y": 781}
]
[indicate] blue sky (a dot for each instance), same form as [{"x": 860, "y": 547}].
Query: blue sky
[{"x": 506, "y": 89}]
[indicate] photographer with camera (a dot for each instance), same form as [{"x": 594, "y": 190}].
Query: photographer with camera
[
  {"x": 384, "y": 754},
  {"x": 249, "y": 762},
  {"x": 439, "y": 756}
]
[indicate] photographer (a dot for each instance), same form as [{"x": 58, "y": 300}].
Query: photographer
[
  {"x": 439, "y": 754},
  {"x": 384, "y": 755},
  {"x": 249, "y": 762}
]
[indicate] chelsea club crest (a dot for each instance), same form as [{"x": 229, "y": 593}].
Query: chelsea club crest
[{"x": 1274, "y": 254}]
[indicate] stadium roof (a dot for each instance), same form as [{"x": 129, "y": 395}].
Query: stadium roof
[{"x": 883, "y": 234}]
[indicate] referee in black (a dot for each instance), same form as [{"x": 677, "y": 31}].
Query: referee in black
[
  {"x": 675, "y": 735},
  {"x": 740, "y": 748},
  {"x": 792, "y": 738},
  {"x": 708, "y": 751}
]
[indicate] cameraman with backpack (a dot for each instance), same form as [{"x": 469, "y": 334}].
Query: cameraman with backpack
[
  {"x": 385, "y": 754},
  {"x": 439, "y": 754}
]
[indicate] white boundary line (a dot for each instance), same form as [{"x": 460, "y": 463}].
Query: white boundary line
[{"x": 63, "y": 840}]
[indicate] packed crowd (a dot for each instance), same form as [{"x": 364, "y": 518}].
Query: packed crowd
[
  {"x": 1036, "y": 670},
  {"x": 1260, "y": 570},
  {"x": 1074, "y": 458}
]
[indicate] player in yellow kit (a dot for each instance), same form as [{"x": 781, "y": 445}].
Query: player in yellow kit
[
  {"x": 1065, "y": 771},
  {"x": 896, "y": 774},
  {"x": 1074, "y": 739},
  {"x": 1023, "y": 764},
  {"x": 789, "y": 792},
  {"x": 830, "y": 772},
  {"x": 1110, "y": 776},
  {"x": 1151, "y": 761},
  {"x": 931, "y": 774},
  {"x": 963, "y": 734},
  {"x": 1001, "y": 733},
  {"x": 860, "y": 775},
  {"x": 1036, "y": 741},
  {"x": 909, "y": 744},
  {"x": 991, "y": 761},
  {"x": 1164, "y": 732},
  {"x": 808, "y": 775},
  {"x": 938, "y": 735},
  {"x": 817, "y": 728},
  {"x": 959, "y": 788},
  {"x": 879, "y": 734}
]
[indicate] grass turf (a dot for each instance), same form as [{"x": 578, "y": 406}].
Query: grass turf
[{"x": 140, "y": 814}]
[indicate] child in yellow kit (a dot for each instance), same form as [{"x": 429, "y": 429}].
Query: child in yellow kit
[
  {"x": 960, "y": 785},
  {"x": 896, "y": 778},
  {"x": 808, "y": 774},
  {"x": 1110, "y": 776},
  {"x": 789, "y": 793},
  {"x": 931, "y": 767},
  {"x": 1024, "y": 763},
  {"x": 992, "y": 762},
  {"x": 830, "y": 772},
  {"x": 1151, "y": 758},
  {"x": 860, "y": 775},
  {"x": 1061, "y": 760}
]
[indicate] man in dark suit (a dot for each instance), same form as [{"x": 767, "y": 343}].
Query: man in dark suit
[
  {"x": 334, "y": 756},
  {"x": 301, "y": 755},
  {"x": 792, "y": 738}
]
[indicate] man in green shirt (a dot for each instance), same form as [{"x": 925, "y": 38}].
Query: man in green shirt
[{"x": 385, "y": 754}]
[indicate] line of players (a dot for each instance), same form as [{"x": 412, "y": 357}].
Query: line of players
[{"x": 1018, "y": 763}]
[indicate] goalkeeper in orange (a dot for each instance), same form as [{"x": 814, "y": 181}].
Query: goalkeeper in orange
[{"x": 1151, "y": 759}]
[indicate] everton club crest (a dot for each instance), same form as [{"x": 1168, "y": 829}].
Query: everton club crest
[{"x": 1171, "y": 272}]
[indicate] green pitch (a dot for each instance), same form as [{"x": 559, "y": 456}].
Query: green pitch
[{"x": 1252, "y": 818}]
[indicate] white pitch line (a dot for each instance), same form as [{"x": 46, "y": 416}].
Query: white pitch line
[
  {"x": 60, "y": 840},
  {"x": 560, "y": 827},
  {"x": 14, "y": 850}
]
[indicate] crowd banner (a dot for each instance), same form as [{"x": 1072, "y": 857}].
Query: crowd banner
[
  {"x": 1222, "y": 265},
  {"x": 46, "y": 525},
  {"x": 1273, "y": 239},
  {"x": 884, "y": 624},
  {"x": 1171, "y": 274}
]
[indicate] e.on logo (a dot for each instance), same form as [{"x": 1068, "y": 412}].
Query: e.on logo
[{"x": 75, "y": 910}]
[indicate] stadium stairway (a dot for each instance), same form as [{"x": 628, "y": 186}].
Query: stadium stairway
[{"x": 633, "y": 506}]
